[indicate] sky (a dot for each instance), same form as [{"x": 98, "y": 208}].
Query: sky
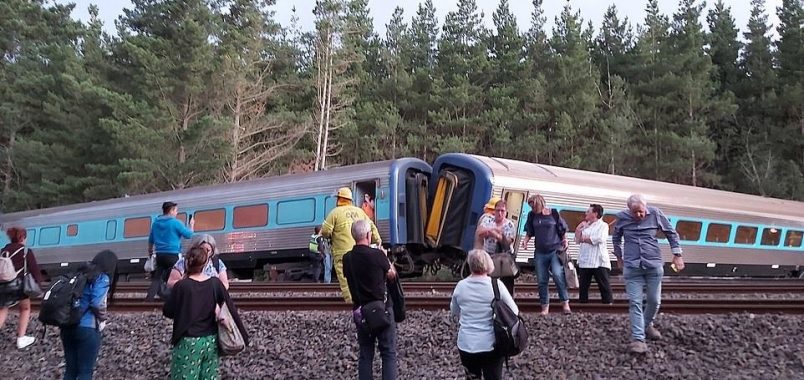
[{"x": 381, "y": 10}]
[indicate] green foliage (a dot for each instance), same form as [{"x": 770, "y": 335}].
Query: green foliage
[{"x": 194, "y": 92}]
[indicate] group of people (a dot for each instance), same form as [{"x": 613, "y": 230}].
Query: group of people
[{"x": 198, "y": 283}]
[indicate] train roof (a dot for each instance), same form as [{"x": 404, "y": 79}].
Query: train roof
[
  {"x": 656, "y": 192},
  {"x": 153, "y": 201}
]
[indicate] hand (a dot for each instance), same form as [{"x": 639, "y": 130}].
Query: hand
[
  {"x": 101, "y": 325},
  {"x": 391, "y": 274},
  {"x": 524, "y": 244},
  {"x": 679, "y": 263},
  {"x": 620, "y": 263},
  {"x": 564, "y": 244},
  {"x": 581, "y": 226},
  {"x": 191, "y": 223}
]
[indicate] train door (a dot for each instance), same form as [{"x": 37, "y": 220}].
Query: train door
[
  {"x": 415, "y": 207},
  {"x": 450, "y": 208},
  {"x": 365, "y": 197},
  {"x": 514, "y": 201}
]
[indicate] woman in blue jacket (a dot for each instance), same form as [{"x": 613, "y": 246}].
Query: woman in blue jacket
[{"x": 82, "y": 342}]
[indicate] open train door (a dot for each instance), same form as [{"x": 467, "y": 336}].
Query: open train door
[{"x": 514, "y": 203}]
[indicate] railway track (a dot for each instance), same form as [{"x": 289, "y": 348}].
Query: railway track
[
  {"x": 335, "y": 303},
  {"x": 769, "y": 287}
]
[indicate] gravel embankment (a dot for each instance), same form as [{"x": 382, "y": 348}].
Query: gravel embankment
[{"x": 321, "y": 345}]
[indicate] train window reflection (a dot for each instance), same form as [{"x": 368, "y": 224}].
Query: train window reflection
[
  {"x": 49, "y": 235},
  {"x": 209, "y": 220},
  {"x": 136, "y": 227},
  {"x": 72, "y": 230},
  {"x": 250, "y": 216},
  {"x": 688, "y": 230},
  {"x": 573, "y": 218},
  {"x": 182, "y": 217},
  {"x": 718, "y": 233},
  {"x": 746, "y": 235},
  {"x": 771, "y": 236},
  {"x": 611, "y": 220},
  {"x": 793, "y": 238}
]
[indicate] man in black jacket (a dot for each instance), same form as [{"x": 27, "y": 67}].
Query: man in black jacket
[{"x": 366, "y": 270}]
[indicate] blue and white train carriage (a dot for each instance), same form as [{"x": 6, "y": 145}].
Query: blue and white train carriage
[
  {"x": 722, "y": 233},
  {"x": 254, "y": 222}
]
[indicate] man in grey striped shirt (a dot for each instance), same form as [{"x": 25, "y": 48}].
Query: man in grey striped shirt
[{"x": 642, "y": 264}]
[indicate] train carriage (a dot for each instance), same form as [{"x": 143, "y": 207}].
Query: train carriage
[
  {"x": 254, "y": 222},
  {"x": 722, "y": 233}
]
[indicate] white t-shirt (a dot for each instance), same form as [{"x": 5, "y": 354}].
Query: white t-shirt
[
  {"x": 595, "y": 255},
  {"x": 489, "y": 243}
]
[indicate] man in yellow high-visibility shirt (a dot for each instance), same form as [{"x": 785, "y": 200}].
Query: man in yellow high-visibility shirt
[{"x": 338, "y": 228}]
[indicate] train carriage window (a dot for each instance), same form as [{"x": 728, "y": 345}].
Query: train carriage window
[
  {"x": 688, "y": 230},
  {"x": 31, "y": 234},
  {"x": 111, "y": 229},
  {"x": 136, "y": 227},
  {"x": 793, "y": 238},
  {"x": 250, "y": 216},
  {"x": 295, "y": 211},
  {"x": 49, "y": 235},
  {"x": 746, "y": 235},
  {"x": 771, "y": 236},
  {"x": 573, "y": 218},
  {"x": 718, "y": 233},
  {"x": 611, "y": 220},
  {"x": 210, "y": 220},
  {"x": 72, "y": 230},
  {"x": 182, "y": 217}
]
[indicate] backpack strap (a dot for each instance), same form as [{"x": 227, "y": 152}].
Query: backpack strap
[
  {"x": 216, "y": 263},
  {"x": 561, "y": 231},
  {"x": 496, "y": 288}
]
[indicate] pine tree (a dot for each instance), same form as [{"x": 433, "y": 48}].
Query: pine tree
[
  {"x": 462, "y": 66},
  {"x": 529, "y": 137},
  {"x": 573, "y": 91},
  {"x": 421, "y": 66},
  {"x": 790, "y": 58},
  {"x": 723, "y": 46},
  {"x": 165, "y": 49}
]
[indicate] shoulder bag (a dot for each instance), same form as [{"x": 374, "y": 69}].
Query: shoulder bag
[
  {"x": 374, "y": 316},
  {"x": 230, "y": 340},
  {"x": 30, "y": 287}
]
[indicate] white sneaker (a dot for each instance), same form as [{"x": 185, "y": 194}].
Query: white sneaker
[{"x": 25, "y": 341}]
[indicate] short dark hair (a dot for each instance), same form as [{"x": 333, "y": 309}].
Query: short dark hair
[
  {"x": 597, "y": 209},
  {"x": 317, "y": 229},
  {"x": 167, "y": 206}
]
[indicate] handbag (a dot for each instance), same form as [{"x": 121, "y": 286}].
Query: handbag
[
  {"x": 504, "y": 265},
  {"x": 375, "y": 317},
  {"x": 30, "y": 287},
  {"x": 571, "y": 275},
  {"x": 230, "y": 340},
  {"x": 150, "y": 263}
]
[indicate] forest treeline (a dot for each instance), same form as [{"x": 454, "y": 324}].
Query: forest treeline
[{"x": 192, "y": 92}]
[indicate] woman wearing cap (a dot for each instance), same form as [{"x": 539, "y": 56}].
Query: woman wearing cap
[{"x": 213, "y": 268}]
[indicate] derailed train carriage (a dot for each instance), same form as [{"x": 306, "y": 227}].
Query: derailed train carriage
[
  {"x": 426, "y": 216},
  {"x": 722, "y": 233}
]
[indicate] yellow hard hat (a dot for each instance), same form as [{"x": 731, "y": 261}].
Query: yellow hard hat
[
  {"x": 492, "y": 203},
  {"x": 345, "y": 192}
]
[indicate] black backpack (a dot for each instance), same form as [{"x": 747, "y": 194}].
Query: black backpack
[
  {"x": 61, "y": 303},
  {"x": 510, "y": 335}
]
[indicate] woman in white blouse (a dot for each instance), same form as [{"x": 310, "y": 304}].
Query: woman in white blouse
[
  {"x": 593, "y": 259},
  {"x": 471, "y": 302}
]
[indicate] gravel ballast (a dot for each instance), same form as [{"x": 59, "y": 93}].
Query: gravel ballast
[{"x": 322, "y": 345}]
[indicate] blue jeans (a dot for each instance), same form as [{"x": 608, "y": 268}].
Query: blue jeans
[
  {"x": 81, "y": 345},
  {"x": 547, "y": 263},
  {"x": 386, "y": 342},
  {"x": 327, "y": 268},
  {"x": 638, "y": 283}
]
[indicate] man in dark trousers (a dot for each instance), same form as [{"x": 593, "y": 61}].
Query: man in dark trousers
[
  {"x": 366, "y": 270},
  {"x": 165, "y": 242}
]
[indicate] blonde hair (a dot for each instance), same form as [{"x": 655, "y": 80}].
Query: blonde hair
[
  {"x": 479, "y": 262},
  {"x": 537, "y": 202}
]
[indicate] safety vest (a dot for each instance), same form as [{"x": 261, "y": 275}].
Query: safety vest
[{"x": 314, "y": 243}]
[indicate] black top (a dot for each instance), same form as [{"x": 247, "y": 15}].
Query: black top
[
  {"x": 191, "y": 305},
  {"x": 367, "y": 281}
]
